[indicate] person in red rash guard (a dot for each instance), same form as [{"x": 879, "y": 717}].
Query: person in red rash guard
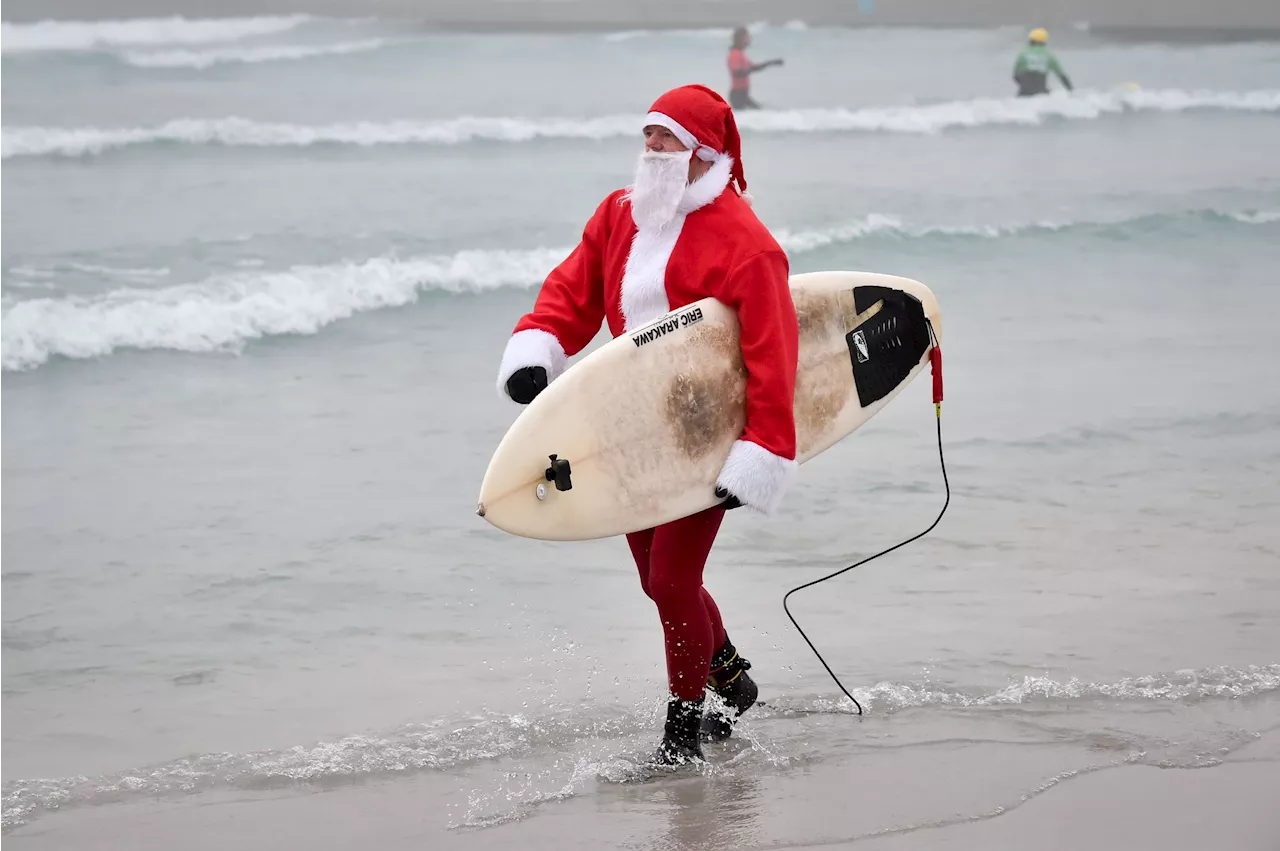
[{"x": 741, "y": 69}]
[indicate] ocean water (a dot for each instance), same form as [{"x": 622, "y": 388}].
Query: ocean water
[{"x": 257, "y": 276}]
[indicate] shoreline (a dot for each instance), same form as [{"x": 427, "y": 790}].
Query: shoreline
[{"x": 1137, "y": 806}]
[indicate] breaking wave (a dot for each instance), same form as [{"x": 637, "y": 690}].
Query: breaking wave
[
  {"x": 233, "y": 131},
  {"x": 93, "y": 35},
  {"x": 202, "y": 59},
  {"x": 799, "y": 242},
  {"x": 715, "y": 33},
  {"x": 1260, "y": 217},
  {"x": 225, "y": 312}
]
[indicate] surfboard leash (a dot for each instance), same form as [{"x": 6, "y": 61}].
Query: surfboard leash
[{"x": 935, "y": 366}]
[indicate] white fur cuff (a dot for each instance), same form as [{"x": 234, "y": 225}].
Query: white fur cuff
[
  {"x": 756, "y": 476},
  {"x": 531, "y": 347}
]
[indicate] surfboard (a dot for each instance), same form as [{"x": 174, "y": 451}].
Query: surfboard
[{"x": 635, "y": 433}]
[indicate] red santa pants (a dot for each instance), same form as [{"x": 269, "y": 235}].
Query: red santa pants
[{"x": 670, "y": 559}]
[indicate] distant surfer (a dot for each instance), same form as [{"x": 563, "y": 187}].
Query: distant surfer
[
  {"x": 1034, "y": 65},
  {"x": 741, "y": 69},
  {"x": 684, "y": 231}
]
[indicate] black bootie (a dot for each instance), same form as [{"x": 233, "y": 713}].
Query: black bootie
[
  {"x": 730, "y": 680},
  {"x": 680, "y": 737}
]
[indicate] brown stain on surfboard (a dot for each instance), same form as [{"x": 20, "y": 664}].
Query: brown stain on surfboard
[
  {"x": 814, "y": 314},
  {"x": 702, "y": 406},
  {"x": 825, "y": 381}
]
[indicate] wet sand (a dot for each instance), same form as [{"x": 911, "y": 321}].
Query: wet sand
[{"x": 871, "y": 805}]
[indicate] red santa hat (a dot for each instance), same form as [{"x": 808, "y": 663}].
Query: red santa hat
[{"x": 703, "y": 122}]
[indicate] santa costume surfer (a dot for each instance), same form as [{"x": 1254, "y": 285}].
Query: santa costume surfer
[{"x": 684, "y": 231}]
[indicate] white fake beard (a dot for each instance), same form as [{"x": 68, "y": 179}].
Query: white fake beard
[{"x": 661, "y": 179}]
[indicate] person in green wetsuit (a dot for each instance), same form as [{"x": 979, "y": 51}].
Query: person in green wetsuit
[{"x": 1035, "y": 63}]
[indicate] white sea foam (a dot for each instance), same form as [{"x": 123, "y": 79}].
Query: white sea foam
[
  {"x": 225, "y": 312},
  {"x": 202, "y": 59},
  {"x": 449, "y": 747},
  {"x": 1258, "y": 217},
  {"x": 92, "y": 35},
  {"x": 145, "y": 273},
  {"x": 935, "y": 118},
  {"x": 713, "y": 33}
]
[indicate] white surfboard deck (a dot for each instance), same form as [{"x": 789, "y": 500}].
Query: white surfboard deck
[{"x": 647, "y": 420}]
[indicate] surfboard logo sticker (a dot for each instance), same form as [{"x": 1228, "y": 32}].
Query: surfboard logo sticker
[
  {"x": 860, "y": 347},
  {"x": 666, "y": 326}
]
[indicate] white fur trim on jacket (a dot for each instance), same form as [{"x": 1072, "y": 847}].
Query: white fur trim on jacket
[
  {"x": 709, "y": 187},
  {"x": 531, "y": 347},
  {"x": 644, "y": 281},
  {"x": 756, "y": 476}
]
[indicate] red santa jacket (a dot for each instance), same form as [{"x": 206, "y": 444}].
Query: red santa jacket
[{"x": 715, "y": 247}]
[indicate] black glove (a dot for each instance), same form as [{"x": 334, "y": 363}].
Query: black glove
[
  {"x": 730, "y": 501},
  {"x": 525, "y": 384}
]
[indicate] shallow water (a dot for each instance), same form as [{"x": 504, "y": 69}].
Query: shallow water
[{"x": 255, "y": 291}]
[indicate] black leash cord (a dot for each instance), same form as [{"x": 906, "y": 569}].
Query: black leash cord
[{"x": 942, "y": 461}]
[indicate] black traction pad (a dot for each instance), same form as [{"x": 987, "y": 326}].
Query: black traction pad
[{"x": 885, "y": 348}]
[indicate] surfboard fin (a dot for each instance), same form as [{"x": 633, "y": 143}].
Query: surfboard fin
[{"x": 561, "y": 473}]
